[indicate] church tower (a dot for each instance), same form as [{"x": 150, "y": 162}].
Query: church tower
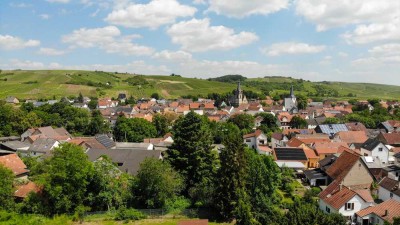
[
  {"x": 239, "y": 98},
  {"x": 291, "y": 102}
]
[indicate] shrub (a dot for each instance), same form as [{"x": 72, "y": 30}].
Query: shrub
[{"x": 129, "y": 214}]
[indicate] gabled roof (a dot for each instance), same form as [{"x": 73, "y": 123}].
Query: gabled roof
[
  {"x": 255, "y": 134},
  {"x": 277, "y": 136},
  {"x": 357, "y": 126},
  {"x": 390, "y": 139},
  {"x": 370, "y": 144},
  {"x": 387, "y": 210},
  {"x": 332, "y": 128},
  {"x": 352, "y": 136},
  {"x": 289, "y": 154},
  {"x": 390, "y": 185},
  {"x": 24, "y": 190},
  {"x": 328, "y": 147},
  {"x": 336, "y": 195},
  {"x": 127, "y": 160},
  {"x": 341, "y": 167},
  {"x": 105, "y": 140},
  {"x": 42, "y": 145},
  {"x": 14, "y": 163}
]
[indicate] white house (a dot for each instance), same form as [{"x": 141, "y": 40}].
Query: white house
[
  {"x": 278, "y": 140},
  {"x": 379, "y": 214},
  {"x": 337, "y": 198},
  {"x": 389, "y": 189},
  {"x": 376, "y": 149},
  {"x": 257, "y": 140}
]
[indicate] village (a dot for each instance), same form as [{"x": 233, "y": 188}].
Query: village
[{"x": 356, "y": 168}]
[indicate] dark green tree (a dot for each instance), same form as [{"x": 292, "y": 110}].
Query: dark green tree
[
  {"x": 298, "y": 122},
  {"x": 80, "y": 97},
  {"x": 156, "y": 183},
  {"x": 133, "y": 130},
  {"x": 192, "y": 156},
  {"x": 332, "y": 120},
  {"x": 66, "y": 181},
  {"x": 245, "y": 122},
  {"x": 92, "y": 104},
  {"x": 97, "y": 124},
  {"x": 6, "y": 188},
  {"x": 231, "y": 175},
  {"x": 160, "y": 122},
  {"x": 155, "y": 95}
]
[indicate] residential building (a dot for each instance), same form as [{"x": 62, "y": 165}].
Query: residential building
[
  {"x": 258, "y": 141},
  {"x": 376, "y": 149},
  {"x": 379, "y": 214},
  {"x": 389, "y": 189}
]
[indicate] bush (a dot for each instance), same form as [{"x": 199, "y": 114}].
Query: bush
[
  {"x": 129, "y": 214},
  {"x": 177, "y": 205}
]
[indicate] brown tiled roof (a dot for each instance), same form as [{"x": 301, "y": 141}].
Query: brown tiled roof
[
  {"x": 194, "y": 105},
  {"x": 294, "y": 142},
  {"x": 392, "y": 207},
  {"x": 265, "y": 148},
  {"x": 277, "y": 136},
  {"x": 352, "y": 136},
  {"x": 390, "y": 185},
  {"x": 23, "y": 190},
  {"x": 89, "y": 141},
  {"x": 14, "y": 163},
  {"x": 356, "y": 126},
  {"x": 343, "y": 164},
  {"x": 390, "y": 138},
  {"x": 339, "y": 197},
  {"x": 255, "y": 134},
  {"x": 310, "y": 153},
  {"x": 209, "y": 106},
  {"x": 365, "y": 194}
]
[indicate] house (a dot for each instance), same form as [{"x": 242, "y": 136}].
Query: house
[
  {"x": 128, "y": 161},
  {"x": 294, "y": 158},
  {"x": 134, "y": 146},
  {"x": 284, "y": 119},
  {"x": 42, "y": 146},
  {"x": 376, "y": 149},
  {"x": 389, "y": 189},
  {"x": 390, "y": 126},
  {"x": 59, "y": 134},
  {"x": 350, "y": 170},
  {"x": 379, "y": 214},
  {"x": 392, "y": 171},
  {"x": 331, "y": 129},
  {"x": 325, "y": 149},
  {"x": 356, "y": 126},
  {"x": 313, "y": 123},
  {"x": 12, "y": 100},
  {"x": 278, "y": 140},
  {"x": 87, "y": 143},
  {"x": 337, "y": 198},
  {"x": 257, "y": 140},
  {"x": 15, "y": 164},
  {"x": 350, "y": 137}
]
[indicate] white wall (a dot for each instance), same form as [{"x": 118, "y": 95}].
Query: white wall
[
  {"x": 384, "y": 195},
  {"x": 383, "y": 155},
  {"x": 359, "y": 204},
  {"x": 252, "y": 142}
]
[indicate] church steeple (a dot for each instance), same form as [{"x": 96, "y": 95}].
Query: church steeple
[
  {"x": 238, "y": 87},
  {"x": 292, "y": 92}
]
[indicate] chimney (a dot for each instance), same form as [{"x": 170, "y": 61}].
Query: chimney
[
  {"x": 386, "y": 212},
  {"x": 340, "y": 186}
]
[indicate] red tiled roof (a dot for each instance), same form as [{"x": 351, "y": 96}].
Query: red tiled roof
[
  {"x": 391, "y": 138},
  {"x": 342, "y": 165},
  {"x": 23, "y": 190},
  {"x": 264, "y": 148},
  {"x": 194, "y": 105},
  {"x": 14, "y": 163},
  {"x": 310, "y": 153},
  {"x": 328, "y": 147},
  {"x": 339, "y": 197},
  {"x": 392, "y": 207},
  {"x": 255, "y": 134},
  {"x": 365, "y": 194},
  {"x": 209, "y": 106}
]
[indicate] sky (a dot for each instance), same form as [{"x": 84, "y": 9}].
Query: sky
[{"x": 318, "y": 40}]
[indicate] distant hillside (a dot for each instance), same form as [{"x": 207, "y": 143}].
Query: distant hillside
[{"x": 48, "y": 83}]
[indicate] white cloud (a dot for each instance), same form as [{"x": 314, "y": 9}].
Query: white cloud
[
  {"x": 8, "y": 42},
  {"x": 45, "y": 16},
  {"x": 107, "y": 38},
  {"x": 381, "y": 55},
  {"x": 375, "y": 32},
  {"x": 199, "y": 2},
  {"x": 198, "y": 36},
  {"x": 59, "y": 1},
  {"x": 374, "y": 20},
  {"x": 291, "y": 48},
  {"x": 20, "y": 5},
  {"x": 343, "y": 54},
  {"x": 152, "y": 15},
  {"x": 51, "y": 51},
  {"x": 240, "y": 8},
  {"x": 178, "y": 56}
]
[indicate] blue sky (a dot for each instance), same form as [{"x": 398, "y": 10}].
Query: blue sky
[{"x": 341, "y": 40}]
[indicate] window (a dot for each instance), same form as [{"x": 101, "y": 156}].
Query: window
[
  {"x": 262, "y": 142},
  {"x": 397, "y": 174},
  {"x": 391, "y": 195},
  {"x": 380, "y": 149},
  {"x": 349, "y": 206},
  {"x": 248, "y": 140},
  {"x": 327, "y": 209}
]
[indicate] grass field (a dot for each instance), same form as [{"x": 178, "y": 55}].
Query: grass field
[{"x": 35, "y": 84}]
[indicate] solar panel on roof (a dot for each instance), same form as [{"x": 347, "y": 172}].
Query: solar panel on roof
[{"x": 105, "y": 140}]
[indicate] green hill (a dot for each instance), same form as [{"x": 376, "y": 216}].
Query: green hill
[{"x": 48, "y": 83}]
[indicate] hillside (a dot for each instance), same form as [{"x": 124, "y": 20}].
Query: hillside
[{"x": 48, "y": 83}]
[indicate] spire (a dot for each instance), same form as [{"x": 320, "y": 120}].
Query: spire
[
  {"x": 238, "y": 87},
  {"x": 292, "y": 92}
]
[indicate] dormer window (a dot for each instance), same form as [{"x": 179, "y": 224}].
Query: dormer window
[{"x": 380, "y": 149}]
